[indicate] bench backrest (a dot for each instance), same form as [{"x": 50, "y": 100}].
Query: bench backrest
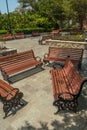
[
  {"x": 35, "y": 33},
  {"x": 19, "y": 35},
  {"x": 73, "y": 77},
  {"x": 63, "y": 53},
  {"x": 55, "y": 31},
  {"x": 46, "y": 37},
  {"x": 7, "y": 36},
  {"x": 21, "y": 55}
]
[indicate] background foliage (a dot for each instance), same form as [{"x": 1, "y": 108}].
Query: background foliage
[{"x": 45, "y": 15}]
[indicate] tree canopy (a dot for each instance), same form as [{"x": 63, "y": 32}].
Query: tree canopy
[{"x": 45, "y": 14}]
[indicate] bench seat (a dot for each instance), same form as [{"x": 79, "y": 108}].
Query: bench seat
[{"x": 19, "y": 67}]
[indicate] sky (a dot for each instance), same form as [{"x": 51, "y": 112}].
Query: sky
[{"x": 12, "y": 4}]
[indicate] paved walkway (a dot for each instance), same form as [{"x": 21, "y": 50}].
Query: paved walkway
[{"x": 38, "y": 114}]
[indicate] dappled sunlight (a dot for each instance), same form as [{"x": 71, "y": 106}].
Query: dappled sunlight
[{"x": 70, "y": 122}]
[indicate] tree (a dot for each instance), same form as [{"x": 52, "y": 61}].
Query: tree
[
  {"x": 50, "y": 9},
  {"x": 68, "y": 12},
  {"x": 53, "y": 10},
  {"x": 32, "y": 4},
  {"x": 4, "y": 22},
  {"x": 80, "y": 11}
]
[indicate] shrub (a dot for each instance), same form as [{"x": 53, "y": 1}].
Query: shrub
[
  {"x": 3, "y": 31},
  {"x": 29, "y": 30}
]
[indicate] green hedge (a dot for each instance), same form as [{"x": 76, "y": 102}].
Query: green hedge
[
  {"x": 29, "y": 30},
  {"x": 3, "y": 31},
  {"x": 26, "y": 30}
]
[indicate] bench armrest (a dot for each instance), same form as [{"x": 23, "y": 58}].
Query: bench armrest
[
  {"x": 38, "y": 58},
  {"x": 45, "y": 55},
  {"x": 71, "y": 95}
]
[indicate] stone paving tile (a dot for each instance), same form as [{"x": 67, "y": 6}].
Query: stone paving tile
[{"x": 37, "y": 89}]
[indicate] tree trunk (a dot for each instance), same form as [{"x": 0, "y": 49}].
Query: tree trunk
[{"x": 81, "y": 23}]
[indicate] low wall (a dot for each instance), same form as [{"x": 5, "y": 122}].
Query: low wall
[
  {"x": 7, "y": 51},
  {"x": 62, "y": 43}
]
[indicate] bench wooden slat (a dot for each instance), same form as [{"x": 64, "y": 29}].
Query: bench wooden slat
[
  {"x": 66, "y": 84},
  {"x": 18, "y": 63},
  {"x": 19, "y": 35},
  {"x": 15, "y": 64},
  {"x": 11, "y": 97},
  {"x": 6, "y": 58},
  {"x": 7, "y": 37},
  {"x": 5, "y": 88},
  {"x": 16, "y": 57},
  {"x": 21, "y": 67},
  {"x": 56, "y": 54},
  {"x": 6, "y": 95}
]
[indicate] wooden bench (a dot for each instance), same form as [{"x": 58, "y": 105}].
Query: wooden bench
[
  {"x": 35, "y": 33},
  {"x": 17, "y": 63},
  {"x": 7, "y": 37},
  {"x": 55, "y": 31},
  {"x": 44, "y": 38},
  {"x": 56, "y": 54},
  {"x": 67, "y": 84},
  {"x": 55, "y": 34},
  {"x": 11, "y": 97},
  {"x": 19, "y": 35}
]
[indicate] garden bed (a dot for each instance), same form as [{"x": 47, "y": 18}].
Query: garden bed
[{"x": 71, "y": 37}]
